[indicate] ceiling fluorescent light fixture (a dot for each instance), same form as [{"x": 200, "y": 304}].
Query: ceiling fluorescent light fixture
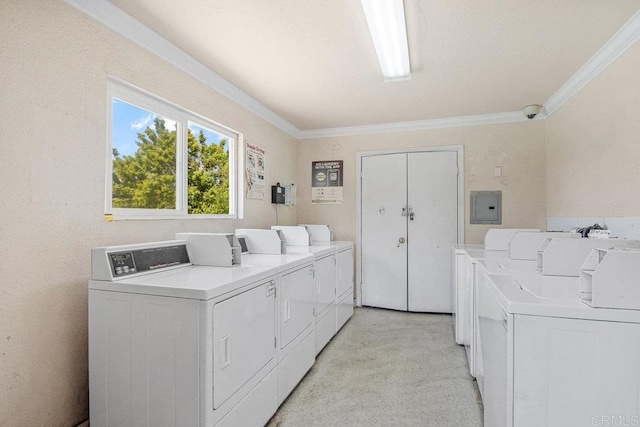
[{"x": 389, "y": 33}]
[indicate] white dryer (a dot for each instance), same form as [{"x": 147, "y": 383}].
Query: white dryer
[
  {"x": 324, "y": 310},
  {"x": 345, "y": 287},
  {"x": 296, "y": 287},
  {"x": 334, "y": 296},
  {"x": 180, "y": 345}
]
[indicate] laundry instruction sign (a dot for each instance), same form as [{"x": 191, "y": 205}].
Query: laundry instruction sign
[
  {"x": 326, "y": 182},
  {"x": 256, "y": 185}
]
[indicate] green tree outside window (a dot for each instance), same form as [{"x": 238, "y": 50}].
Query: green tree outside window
[{"x": 147, "y": 178}]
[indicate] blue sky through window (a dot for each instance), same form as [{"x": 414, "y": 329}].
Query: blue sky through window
[
  {"x": 212, "y": 137},
  {"x": 129, "y": 121}
]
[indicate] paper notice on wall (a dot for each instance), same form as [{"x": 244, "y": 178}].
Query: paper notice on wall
[
  {"x": 255, "y": 162},
  {"x": 326, "y": 182}
]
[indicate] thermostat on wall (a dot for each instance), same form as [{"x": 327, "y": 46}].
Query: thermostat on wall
[{"x": 486, "y": 207}]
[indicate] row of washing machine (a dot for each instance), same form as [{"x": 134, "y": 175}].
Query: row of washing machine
[
  {"x": 542, "y": 355},
  {"x": 201, "y": 331}
]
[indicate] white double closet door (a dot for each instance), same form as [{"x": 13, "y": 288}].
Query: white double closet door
[{"x": 409, "y": 220}]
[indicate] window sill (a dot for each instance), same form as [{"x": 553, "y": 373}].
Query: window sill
[{"x": 125, "y": 217}]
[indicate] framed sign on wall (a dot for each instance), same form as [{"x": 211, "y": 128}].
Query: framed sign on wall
[{"x": 326, "y": 182}]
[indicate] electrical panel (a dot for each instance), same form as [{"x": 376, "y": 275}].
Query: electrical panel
[{"x": 486, "y": 207}]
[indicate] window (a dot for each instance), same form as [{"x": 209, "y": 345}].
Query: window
[{"x": 165, "y": 161}]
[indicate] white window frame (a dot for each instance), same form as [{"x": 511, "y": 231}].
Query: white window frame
[{"x": 143, "y": 99}]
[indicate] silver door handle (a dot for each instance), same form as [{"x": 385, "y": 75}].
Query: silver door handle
[{"x": 401, "y": 241}]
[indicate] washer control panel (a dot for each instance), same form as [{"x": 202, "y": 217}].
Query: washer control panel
[{"x": 124, "y": 263}]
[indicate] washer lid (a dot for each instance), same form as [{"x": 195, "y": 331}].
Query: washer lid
[{"x": 551, "y": 296}]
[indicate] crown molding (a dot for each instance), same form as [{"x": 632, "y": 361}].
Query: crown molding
[
  {"x": 621, "y": 41},
  {"x": 618, "y": 44},
  {"x": 448, "y": 122},
  {"x": 122, "y": 23},
  {"x": 119, "y": 21}
]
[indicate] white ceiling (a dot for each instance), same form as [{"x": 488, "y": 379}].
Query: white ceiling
[{"x": 313, "y": 63}]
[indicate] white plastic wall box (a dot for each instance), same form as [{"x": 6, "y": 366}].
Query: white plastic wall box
[
  {"x": 609, "y": 278},
  {"x": 192, "y": 345},
  {"x": 564, "y": 257},
  {"x": 498, "y": 239},
  {"x": 549, "y": 359},
  {"x": 212, "y": 249},
  {"x": 294, "y": 235},
  {"x": 524, "y": 245},
  {"x": 319, "y": 233},
  {"x": 263, "y": 241}
]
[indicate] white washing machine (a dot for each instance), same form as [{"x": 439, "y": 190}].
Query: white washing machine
[
  {"x": 550, "y": 360},
  {"x": 466, "y": 259},
  {"x": 175, "y": 344}
]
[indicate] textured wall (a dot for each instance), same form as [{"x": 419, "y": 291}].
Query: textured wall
[
  {"x": 593, "y": 146},
  {"x": 518, "y": 148},
  {"x": 55, "y": 61}
]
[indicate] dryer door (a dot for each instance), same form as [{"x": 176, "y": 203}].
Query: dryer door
[
  {"x": 345, "y": 273},
  {"x": 325, "y": 270},
  {"x": 243, "y": 339},
  {"x": 296, "y": 304}
]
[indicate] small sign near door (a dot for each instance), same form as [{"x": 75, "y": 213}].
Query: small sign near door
[{"x": 326, "y": 182}]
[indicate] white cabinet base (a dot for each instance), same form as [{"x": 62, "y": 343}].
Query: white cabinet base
[
  {"x": 295, "y": 365},
  {"x": 257, "y": 407},
  {"x": 144, "y": 363},
  {"x": 325, "y": 328},
  {"x": 572, "y": 372},
  {"x": 344, "y": 311}
]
